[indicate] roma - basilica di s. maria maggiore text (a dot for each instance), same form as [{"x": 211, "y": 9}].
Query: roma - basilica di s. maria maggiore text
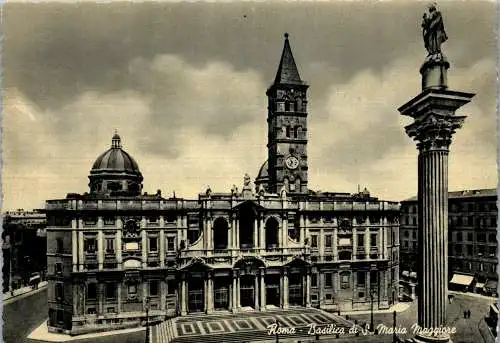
[{"x": 115, "y": 252}]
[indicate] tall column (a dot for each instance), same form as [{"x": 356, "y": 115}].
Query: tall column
[
  {"x": 144, "y": 247},
  {"x": 335, "y": 244},
  {"x": 435, "y": 123},
  {"x": 183, "y": 297},
  {"x": 302, "y": 230},
  {"x": 234, "y": 290},
  {"x": 100, "y": 248},
  {"x": 262, "y": 234},
  {"x": 162, "y": 248},
  {"x": 285, "y": 289},
  {"x": 256, "y": 233},
  {"x": 119, "y": 297},
  {"x": 354, "y": 242},
  {"x": 119, "y": 248},
  {"x": 74, "y": 245},
  {"x": 210, "y": 292},
  {"x": 367, "y": 243},
  {"x": 81, "y": 258},
  {"x": 238, "y": 292},
  {"x": 237, "y": 234},
  {"x": 308, "y": 287},
  {"x": 256, "y": 290},
  {"x": 262, "y": 289},
  {"x": 285, "y": 233}
]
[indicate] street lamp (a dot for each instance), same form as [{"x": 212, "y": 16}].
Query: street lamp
[{"x": 147, "y": 319}]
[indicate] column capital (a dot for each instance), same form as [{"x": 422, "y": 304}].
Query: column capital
[{"x": 435, "y": 131}]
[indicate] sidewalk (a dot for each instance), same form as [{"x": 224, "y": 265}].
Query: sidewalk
[
  {"x": 474, "y": 295},
  {"x": 23, "y": 290},
  {"x": 399, "y": 307},
  {"x": 42, "y": 333}
]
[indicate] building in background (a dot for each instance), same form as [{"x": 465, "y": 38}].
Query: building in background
[
  {"x": 472, "y": 243},
  {"x": 24, "y": 247},
  {"x": 116, "y": 253}
]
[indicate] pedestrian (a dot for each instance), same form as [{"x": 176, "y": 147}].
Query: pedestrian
[
  {"x": 468, "y": 313},
  {"x": 465, "y": 314}
]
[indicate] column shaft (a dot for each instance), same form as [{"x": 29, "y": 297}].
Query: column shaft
[{"x": 433, "y": 227}]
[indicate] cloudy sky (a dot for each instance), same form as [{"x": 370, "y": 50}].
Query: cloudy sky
[{"x": 185, "y": 85}]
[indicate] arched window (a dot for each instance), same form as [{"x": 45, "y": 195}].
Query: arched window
[
  {"x": 220, "y": 229},
  {"x": 272, "y": 229}
]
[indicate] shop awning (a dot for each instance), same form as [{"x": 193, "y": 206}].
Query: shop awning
[
  {"x": 460, "y": 279},
  {"x": 491, "y": 285},
  {"x": 479, "y": 285},
  {"x": 406, "y": 273}
]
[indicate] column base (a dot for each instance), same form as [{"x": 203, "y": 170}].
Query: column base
[
  {"x": 184, "y": 313},
  {"x": 431, "y": 339}
]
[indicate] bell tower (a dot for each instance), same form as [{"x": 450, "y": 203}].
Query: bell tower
[{"x": 287, "y": 128}]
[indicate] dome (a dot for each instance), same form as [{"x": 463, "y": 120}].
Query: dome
[
  {"x": 116, "y": 159},
  {"x": 263, "y": 171},
  {"x": 115, "y": 171},
  {"x": 262, "y": 177}
]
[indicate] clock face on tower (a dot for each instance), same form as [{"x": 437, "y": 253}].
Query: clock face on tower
[{"x": 292, "y": 162}]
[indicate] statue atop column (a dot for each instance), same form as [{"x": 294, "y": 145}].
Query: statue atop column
[
  {"x": 433, "y": 30},
  {"x": 434, "y": 69}
]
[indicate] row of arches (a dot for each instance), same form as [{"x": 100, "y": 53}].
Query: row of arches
[{"x": 246, "y": 232}]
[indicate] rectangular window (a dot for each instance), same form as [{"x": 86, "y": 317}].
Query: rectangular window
[
  {"x": 469, "y": 249},
  {"x": 458, "y": 249},
  {"x": 110, "y": 245},
  {"x": 58, "y": 267},
  {"x": 153, "y": 220},
  {"x": 314, "y": 241},
  {"x": 459, "y": 236},
  {"x": 314, "y": 280},
  {"x": 153, "y": 244},
  {"x": 361, "y": 279},
  {"x": 110, "y": 290},
  {"x": 470, "y": 237},
  {"x": 59, "y": 242},
  {"x": 171, "y": 285},
  {"x": 91, "y": 291},
  {"x": 153, "y": 287},
  {"x": 373, "y": 239},
  {"x": 361, "y": 240},
  {"x": 328, "y": 241},
  {"x": 90, "y": 245},
  {"x": 328, "y": 279},
  {"x": 110, "y": 310},
  {"x": 59, "y": 291},
  {"x": 492, "y": 250},
  {"x": 480, "y": 249},
  {"x": 170, "y": 243}
]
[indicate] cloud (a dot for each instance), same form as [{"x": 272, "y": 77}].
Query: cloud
[
  {"x": 363, "y": 140},
  {"x": 180, "y": 130},
  {"x": 185, "y": 86}
]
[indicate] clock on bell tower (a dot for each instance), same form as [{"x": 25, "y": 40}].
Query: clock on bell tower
[{"x": 287, "y": 128}]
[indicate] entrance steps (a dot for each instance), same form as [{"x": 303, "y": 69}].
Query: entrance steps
[{"x": 227, "y": 327}]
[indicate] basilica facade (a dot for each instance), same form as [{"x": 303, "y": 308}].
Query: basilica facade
[{"x": 116, "y": 255}]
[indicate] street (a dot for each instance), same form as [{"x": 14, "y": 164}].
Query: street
[
  {"x": 468, "y": 330},
  {"x": 23, "y": 315}
]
